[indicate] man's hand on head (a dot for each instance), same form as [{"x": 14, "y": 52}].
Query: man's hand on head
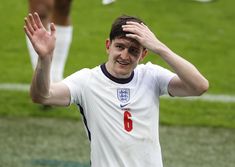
[{"x": 141, "y": 33}]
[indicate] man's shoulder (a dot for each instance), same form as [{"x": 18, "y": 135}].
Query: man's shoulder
[
  {"x": 87, "y": 71},
  {"x": 148, "y": 66},
  {"x": 81, "y": 77}
]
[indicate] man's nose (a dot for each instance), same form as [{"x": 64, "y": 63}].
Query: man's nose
[{"x": 125, "y": 54}]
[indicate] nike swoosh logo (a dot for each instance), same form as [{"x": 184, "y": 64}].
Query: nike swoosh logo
[{"x": 123, "y": 105}]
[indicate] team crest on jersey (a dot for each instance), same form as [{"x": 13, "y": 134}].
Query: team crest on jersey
[{"x": 123, "y": 94}]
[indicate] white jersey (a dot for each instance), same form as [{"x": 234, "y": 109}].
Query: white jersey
[{"x": 121, "y": 115}]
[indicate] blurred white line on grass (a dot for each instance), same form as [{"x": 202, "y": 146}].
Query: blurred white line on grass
[
  {"x": 204, "y": 1},
  {"x": 205, "y": 97},
  {"x": 14, "y": 87},
  {"x": 208, "y": 97}
]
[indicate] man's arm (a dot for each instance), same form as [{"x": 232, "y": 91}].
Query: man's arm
[
  {"x": 42, "y": 91},
  {"x": 189, "y": 81}
]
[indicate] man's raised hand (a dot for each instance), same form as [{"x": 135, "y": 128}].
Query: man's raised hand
[
  {"x": 42, "y": 40},
  {"x": 141, "y": 33}
]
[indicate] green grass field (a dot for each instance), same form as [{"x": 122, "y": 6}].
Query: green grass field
[
  {"x": 46, "y": 142},
  {"x": 193, "y": 133}
]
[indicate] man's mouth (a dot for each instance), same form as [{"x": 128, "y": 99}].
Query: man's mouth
[{"x": 123, "y": 62}]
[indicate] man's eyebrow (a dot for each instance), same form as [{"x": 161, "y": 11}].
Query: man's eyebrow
[
  {"x": 120, "y": 43},
  {"x": 129, "y": 43},
  {"x": 135, "y": 47}
]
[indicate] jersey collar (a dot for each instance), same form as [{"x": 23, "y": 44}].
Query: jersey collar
[{"x": 117, "y": 80}]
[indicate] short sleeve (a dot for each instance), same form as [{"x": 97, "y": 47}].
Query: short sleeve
[
  {"x": 162, "y": 76},
  {"x": 76, "y": 84}
]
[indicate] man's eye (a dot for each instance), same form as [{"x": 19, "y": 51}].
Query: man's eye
[
  {"x": 134, "y": 52},
  {"x": 119, "y": 46}
]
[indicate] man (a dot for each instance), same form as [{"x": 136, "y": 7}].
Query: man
[{"x": 119, "y": 100}]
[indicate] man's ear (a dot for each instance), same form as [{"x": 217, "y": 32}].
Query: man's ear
[
  {"x": 144, "y": 54},
  {"x": 107, "y": 45}
]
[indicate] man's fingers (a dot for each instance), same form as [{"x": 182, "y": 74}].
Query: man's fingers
[
  {"x": 32, "y": 21},
  {"x": 28, "y": 33},
  {"x": 133, "y": 36},
  {"x": 144, "y": 25},
  {"x": 28, "y": 25},
  {"x": 37, "y": 20},
  {"x": 135, "y": 25},
  {"x": 52, "y": 27},
  {"x": 131, "y": 29},
  {"x": 140, "y": 25}
]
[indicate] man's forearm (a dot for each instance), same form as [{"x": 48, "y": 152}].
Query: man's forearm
[
  {"x": 40, "y": 85},
  {"x": 186, "y": 71}
]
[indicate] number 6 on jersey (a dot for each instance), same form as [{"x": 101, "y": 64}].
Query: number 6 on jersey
[{"x": 128, "y": 124}]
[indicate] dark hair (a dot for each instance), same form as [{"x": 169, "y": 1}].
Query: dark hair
[{"x": 116, "y": 29}]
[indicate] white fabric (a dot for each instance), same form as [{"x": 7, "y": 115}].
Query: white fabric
[
  {"x": 111, "y": 144},
  {"x": 63, "y": 41},
  {"x": 106, "y": 2}
]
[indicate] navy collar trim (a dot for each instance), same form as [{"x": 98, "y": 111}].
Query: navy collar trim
[{"x": 117, "y": 80}]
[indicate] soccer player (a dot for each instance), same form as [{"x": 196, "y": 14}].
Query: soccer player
[
  {"x": 56, "y": 11},
  {"x": 119, "y": 100}
]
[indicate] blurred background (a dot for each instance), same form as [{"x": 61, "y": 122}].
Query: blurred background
[{"x": 193, "y": 132}]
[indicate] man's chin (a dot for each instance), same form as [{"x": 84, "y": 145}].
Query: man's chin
[{"x": 123, "y": 73}]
